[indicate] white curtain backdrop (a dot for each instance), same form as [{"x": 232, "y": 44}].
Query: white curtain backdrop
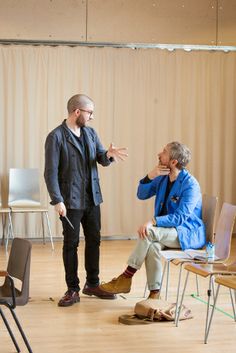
[{"x": 144, "y": 99}]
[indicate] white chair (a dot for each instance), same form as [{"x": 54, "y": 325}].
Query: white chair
[
  {"x": 24, "y": 196},
  {"x": 5, "y": 214}
]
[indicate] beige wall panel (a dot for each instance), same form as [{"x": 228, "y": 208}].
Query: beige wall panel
[
  {"x": 152, "y": 21},
  {"x": 43, "y": 20},
  {"x": 227, "y": 22}
]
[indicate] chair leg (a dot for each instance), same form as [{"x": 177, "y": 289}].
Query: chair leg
[
  {"x": 232, "y": 301},
  {"x": 9, "y": 330},
  {"x": 3, "y": 228},
  {"x": 197, "y": 285},
  {"x": 182, "y": 298},
  {"x": 178, "y": 291},
  {"x": 163, "y": 275},
  {"x": 43, "y": 228},
  {"x": 10, "y": 233},
  {"x": 212, "y": 312},
  {"x": 167, "y": 279},
  {"x": 209, "y": 291},
  {"x": 213, "y": 286},
  {"x": 49, "y": 230},
  {"x": 21, "y": 330}
]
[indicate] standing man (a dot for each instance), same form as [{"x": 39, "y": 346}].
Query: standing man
[
  {"x": 177, "y": 221},
  {"x": 72, "y": 151}
]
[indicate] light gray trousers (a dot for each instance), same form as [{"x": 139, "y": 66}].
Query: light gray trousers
[{"x": 148, "y": 250}]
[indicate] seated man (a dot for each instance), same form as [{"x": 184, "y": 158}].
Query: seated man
[{"x": 177, "y": 221}]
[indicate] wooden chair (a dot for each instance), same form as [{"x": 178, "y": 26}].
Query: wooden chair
[
  {"x": 18, "y": 267},
  {"x": 229, "y": 282},
  {"x": 223, "y": 251},
  {"x": 24, "y": 196}
]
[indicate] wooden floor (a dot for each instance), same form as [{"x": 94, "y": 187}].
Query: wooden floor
[{"x": 91, "y": 326}]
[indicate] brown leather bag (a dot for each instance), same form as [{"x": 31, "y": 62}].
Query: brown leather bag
[{"x": 160, "y": 310}]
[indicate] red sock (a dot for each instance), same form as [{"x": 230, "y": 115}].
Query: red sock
[
  {"x": 155, "y": 291},
  {"x": 129, "y": 272}
]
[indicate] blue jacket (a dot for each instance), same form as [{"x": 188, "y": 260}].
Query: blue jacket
[
  {"x": 184, "y": 207},
  {"x": 63, "y": 172}
]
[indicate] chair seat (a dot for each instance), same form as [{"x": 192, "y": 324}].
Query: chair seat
[
  {"x": 6, "y": 293},
  {"x": 27, "y": 210},
  {"x": 178, "y": 262},
  {"x": 227, "y": 281},
  {"x": 5, "y": 210},
  {"x": 206, "y": 270}
]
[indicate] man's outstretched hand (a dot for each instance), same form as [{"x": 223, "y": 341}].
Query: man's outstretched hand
[{"x": 119, "y": 154}]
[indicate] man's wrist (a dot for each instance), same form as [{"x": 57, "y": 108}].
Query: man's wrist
[{"x": 154, "y": 222}]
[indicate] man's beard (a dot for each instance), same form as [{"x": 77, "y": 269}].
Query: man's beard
[{"x": 79, "y": 123}]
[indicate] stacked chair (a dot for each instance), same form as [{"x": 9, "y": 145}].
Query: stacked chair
[{"x": 226, "y": 265}]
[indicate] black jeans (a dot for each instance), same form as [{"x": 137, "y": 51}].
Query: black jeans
[{"x": 90, "y": 218}]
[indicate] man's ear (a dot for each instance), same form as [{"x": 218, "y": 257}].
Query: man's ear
[{"x": 174, "y": 162}]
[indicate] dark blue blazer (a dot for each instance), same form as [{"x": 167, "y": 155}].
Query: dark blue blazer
[{"x": 64, "y": 174}]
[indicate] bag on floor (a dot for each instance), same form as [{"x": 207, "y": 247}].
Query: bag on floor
[{"x": 154, "y": 310}]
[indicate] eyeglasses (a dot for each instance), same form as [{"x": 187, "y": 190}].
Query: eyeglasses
[{"x": 87, "y": 111}]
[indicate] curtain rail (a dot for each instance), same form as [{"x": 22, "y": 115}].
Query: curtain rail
[{"x": 170, "y": 47}]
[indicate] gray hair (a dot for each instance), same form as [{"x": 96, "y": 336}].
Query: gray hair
[
  {"x": 78, "y": 101},
  {"x": 180, "y": 152}
]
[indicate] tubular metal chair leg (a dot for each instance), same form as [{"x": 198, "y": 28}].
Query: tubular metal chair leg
[
  {"x": 21, "y": 330},
  {"x": 232, "y": 301},
  {"x": 197, "y": 285},
  {"x": 181, "y": 301},
  {"x": 49, "y": 230},
  {"x": 178, "y": 291},
  {"x": 9, "y": 331},
  {"x": 10, "y": 233},
  {"x": 213, "y": 286},
  {"x": 167, "y": 279},
  {"x": 212, "y": 313},
  {"x": 209, "y": 291},
  {"x": 43, "y": 228},
  {"x": 3, "y": 228}
]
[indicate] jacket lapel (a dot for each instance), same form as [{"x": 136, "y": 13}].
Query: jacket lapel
[
  {"x": 176, "y": 187},
  {"x": 71, "y": 139}
]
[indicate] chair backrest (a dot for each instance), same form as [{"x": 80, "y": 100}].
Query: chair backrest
[
  {"x": 224, "y": 230},
  {"x": 209, "y": 204},
  {"x": 24, "y": 187},
  {"x": 19, "y": 267}
]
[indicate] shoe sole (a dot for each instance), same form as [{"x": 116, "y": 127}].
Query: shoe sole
[
  {"x": 69, "y": 304},
  {"x": 100, "y": 297},
  {"x": 116, "y": 292}
]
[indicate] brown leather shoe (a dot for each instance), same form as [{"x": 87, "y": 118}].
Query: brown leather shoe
[
  {"x": 97, "y": 292},
  {"x": 70, "y": 297},
  {"x": 121, "y": 284}
]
